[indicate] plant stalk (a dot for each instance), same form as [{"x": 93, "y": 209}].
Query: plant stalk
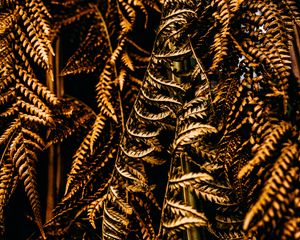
[{"x": 55, "y": 85}]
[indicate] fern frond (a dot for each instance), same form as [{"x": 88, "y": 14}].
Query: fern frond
[
  {"x": 8, "y": 183},
  {"x": 121, "y": 78},
  {"x": 7, "y": 96},
  {"x": 189, "y": 179},
  {"x": 103, "y": 89},
  {"x": 35, "y": 86},
  {"x": 137, "y": 153},
  {"x": 220, "y": 45},
  {"x": 78, "y": 158},
  {"x": 183, "y": 210},
  {"x": 114, "y": 194},
  {"x": 183, "y": 223},
  {"x": 126, "y": 174},
  {"x": 31, "y": 96},
  {"x": 24, "y": 158},
  {"x": 196, "y": 112},
  {"x": 95, "y": 207},
  {"x": 115, "y": 222},
  {"x": 276, "y": 186},
  {"x": 127, "y": 61},
  {"x": 150, "y": 116},
  {"x": 96, "y": 130},
  {"x": 10, "y": 131},
  {"x": 211, "y": 193},
  {"x": 182, "y": 52},
  {"x": 270, "y": 209},
  {"x": 266, "y": 149},
  {"x": 142, "y": 134},
  {"x": 146, "y": 229},
  {"x": 159, "y": 98},
  {"x": 82, "y": 60},
  {"x": 35, "y": 111},
  {"x": 35, "y": 47},
  {"x": 192, "y": 132},
  {"x": 293, "y": 9},
  {"x": 73, "y": 116},
  {"x": 136, "y": 173},
  {"x": 291, "y": 229}
]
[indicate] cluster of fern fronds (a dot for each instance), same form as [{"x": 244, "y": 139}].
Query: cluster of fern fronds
[
  {"x": 26, "y": 104},
  {"x": 33, "y": 118},
  {"x": 218, "y": 105},
  {"x": 210, "y": 149},
  {"x": 110, "y": 52}
]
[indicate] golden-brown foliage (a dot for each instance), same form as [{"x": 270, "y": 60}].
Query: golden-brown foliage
[
  {"x": 220, "y": 84},
  {"x": 211, "y": 145}
]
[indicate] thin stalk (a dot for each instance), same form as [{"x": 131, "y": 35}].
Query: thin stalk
[
  {"x": 59, "y": 93},
  {"x": 121, "y": 111},
  {"x": 55, "y": 84},
  {"x": 51, "y": 161},
  {"x": 50, "y": 201}
]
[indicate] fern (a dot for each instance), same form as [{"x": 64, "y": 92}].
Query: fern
[
  {"x": 111, "y": 59},
  {"x": 9, "y": 180},
  {"x": 238, "y": 152},
  {"x": 28, "y": 110},
  {"x": 217, "y": 109}
]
